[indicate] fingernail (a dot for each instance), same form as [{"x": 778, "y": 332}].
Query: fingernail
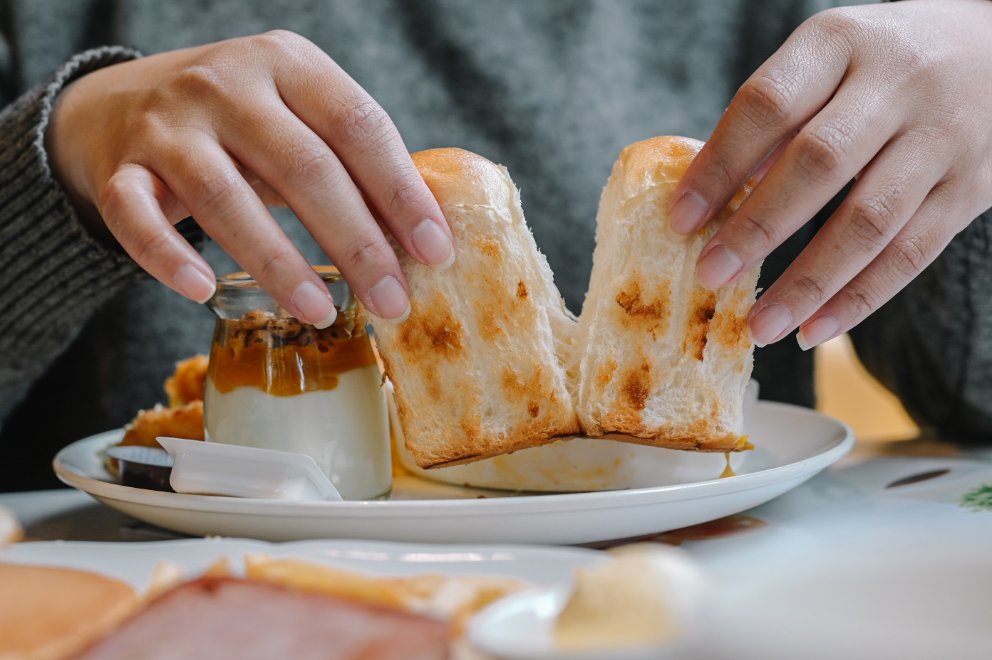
[
  {"x": 314, "y": 305},
  {"x": 433, "y": 244},
  {"x": 194, "y": 283},
  {"x": 718, "y": 267},
  {"x": 688, "y": 213},
  {"x": 770, "y": 324},
  {"x": 389, "y": 300},
  {"x": 817, "y": 331}
]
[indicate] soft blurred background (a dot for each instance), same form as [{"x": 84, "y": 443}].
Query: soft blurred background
[{"x": 845, "y": 390}]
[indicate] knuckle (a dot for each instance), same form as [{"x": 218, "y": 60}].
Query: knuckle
[
  {"x": 217, "y": 192},
  {"x": 911, "y": 255},
  {"x": 746, "y": 224},
  {"x": 277, "y": 262},
  {"x": 916, "y": 63},
  {"x": 819, "y": 154},
  {"x": 720, "y": 173},
  {"x": 149, "y": 127},
  {"x": 151, "y": 247},
  {"x": 113, "y": 197},
  {"x": 409, "y": 190},
  {"x": 860, "y": 300},
  {"x": 283, "y": 52},
  {"x": 365, "y": 250},
  {"x": 811, "y": 289},
  {"x": 314, "y": 168},
  {"x": 282, "y": 41},
  {"x": 839, "y": 24},
  {"x": 765, "y": 101},
  {"x": 873, "y": 222},
  {"x": 207, "y": 80},
  {"x": 911, "y": 61},
  {"x": 363, "y": 123}
]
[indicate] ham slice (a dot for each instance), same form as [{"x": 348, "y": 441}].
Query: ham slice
[{"x": 233, "y": 618}]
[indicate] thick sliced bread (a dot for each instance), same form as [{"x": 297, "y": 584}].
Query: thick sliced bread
[
  {"x": 478, "y": 366},
  {"x": 662, "y": 360}
]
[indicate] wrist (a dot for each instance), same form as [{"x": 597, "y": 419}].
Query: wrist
[
  {"x": 60, "y": 163},
  {"x": 63, "y": 127}
]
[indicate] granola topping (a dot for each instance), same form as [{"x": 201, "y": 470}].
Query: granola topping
[{"x": 282, "y": 356}]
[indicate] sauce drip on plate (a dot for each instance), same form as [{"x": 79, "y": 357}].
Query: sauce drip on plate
[{"x": 727, "y": 471}]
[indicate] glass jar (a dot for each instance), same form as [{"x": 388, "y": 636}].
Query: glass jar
[{"x": 277, "y": 383}]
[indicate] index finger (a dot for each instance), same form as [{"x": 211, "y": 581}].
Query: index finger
[
  {"x": 365, "y": 139},
  {"x": 783, "y": 94}
]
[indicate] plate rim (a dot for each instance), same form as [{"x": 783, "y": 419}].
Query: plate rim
[
  {"x": 286, "y": 547},
  {"x": 347, "y": 553},
  {"x": 531, "y": 503}
]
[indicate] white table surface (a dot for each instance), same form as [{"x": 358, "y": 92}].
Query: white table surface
[{"x": 847, "y": 559}]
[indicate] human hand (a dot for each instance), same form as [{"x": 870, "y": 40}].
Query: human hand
[
  {"x": 898, "y": 96},
  {"x": 221, "y": 132}
]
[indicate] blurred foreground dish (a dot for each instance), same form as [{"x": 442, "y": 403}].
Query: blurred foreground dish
[
  {"x": 278, "y": 608},
  {"x": 216, "y": 617},
  {"x": 48, "y": 613}
]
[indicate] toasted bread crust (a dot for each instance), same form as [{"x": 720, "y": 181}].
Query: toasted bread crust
[
  {"x": 664, "y": 360},
  {"x": 475, "y": 368},
  {"x": 661, "y": 160},
  {"x": 460, "y": 177},
  {"x": 479, "y": 367}
]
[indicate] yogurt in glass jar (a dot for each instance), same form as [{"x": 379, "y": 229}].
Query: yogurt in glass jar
[{"x": 277, "y": 383}]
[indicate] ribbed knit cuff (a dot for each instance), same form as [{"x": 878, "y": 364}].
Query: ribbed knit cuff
[{"x": 53, "y": 273}]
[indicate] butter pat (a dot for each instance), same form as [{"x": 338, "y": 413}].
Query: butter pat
[{"x": 646, "y": 596}]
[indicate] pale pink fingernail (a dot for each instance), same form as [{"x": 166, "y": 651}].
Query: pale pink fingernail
[
  {"x": 770, "y": 324},
  {"x": 389, "y": 300},
  {"x": 433, "y": 244},
  {"x": 194, "y": 283},
  {"x": 314, "y": 305},
  {"x": 718, "y": 267},
  {"x": 688, "y": 213},
  {"x": 817, "y": 331}
]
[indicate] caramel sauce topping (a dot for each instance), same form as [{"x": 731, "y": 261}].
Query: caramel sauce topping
[
  {"x": 287, "y": 370},
  {"x": 283, "y": 357}
]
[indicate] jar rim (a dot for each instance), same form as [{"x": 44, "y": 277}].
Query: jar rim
[{"x": 243, "y": 280}]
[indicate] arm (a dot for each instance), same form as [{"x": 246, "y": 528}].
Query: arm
[{"x": 53, "y": 275}]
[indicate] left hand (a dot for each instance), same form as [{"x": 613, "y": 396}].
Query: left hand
[{"x": 898, "y": 96}]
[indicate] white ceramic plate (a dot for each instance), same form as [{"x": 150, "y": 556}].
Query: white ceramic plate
[
  {"x": 792, "y": 444},
  {"x": 569, "y": 465},
  {"x": 134, "y": 562}
]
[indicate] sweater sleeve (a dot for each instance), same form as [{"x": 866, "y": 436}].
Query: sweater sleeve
[
  {"x": 932, "y": 343},
  {"x": 53, "y": 274}
]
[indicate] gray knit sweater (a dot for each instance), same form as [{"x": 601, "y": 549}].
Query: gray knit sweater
[{"x": 553, "y": 90}]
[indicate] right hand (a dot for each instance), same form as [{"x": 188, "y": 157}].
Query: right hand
[{"x": 220, "y": 132}]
